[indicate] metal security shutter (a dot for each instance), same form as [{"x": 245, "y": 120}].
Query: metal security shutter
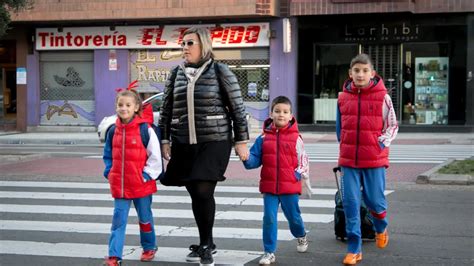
[
  {"x": 252, "y": 69},
  {"x": 386, "y": 59},
  {"x": 67, "y": 88}
]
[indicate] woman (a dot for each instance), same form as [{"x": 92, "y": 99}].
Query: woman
[{"x": 202, "y": 105}]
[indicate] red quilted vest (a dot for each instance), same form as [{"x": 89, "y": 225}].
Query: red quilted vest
[
  {"x": 279, "y": 159},
  {"x": 361, "y": 125},
  {"x": 128, "y": 160}
]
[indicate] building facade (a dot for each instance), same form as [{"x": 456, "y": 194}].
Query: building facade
[
  {"x": 422, "y": 49},
  {"x": 61, "y": 63}
]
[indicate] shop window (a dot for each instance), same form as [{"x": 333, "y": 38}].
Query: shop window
[
  {"x": 426, "y": 84},
  {"x": 253, "y": 77},
  {"x": 153, "y": 67},
  {"x": 331, "y": 69}
]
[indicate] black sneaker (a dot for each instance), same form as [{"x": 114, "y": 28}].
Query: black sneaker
[
  {"x": 194, "y": 256},
  {"x": 206, "y": 257}
]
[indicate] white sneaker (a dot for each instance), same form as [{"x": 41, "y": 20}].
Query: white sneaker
[
  {"x": 267, "y": 259},
  {"x": 302, "y": 244}
]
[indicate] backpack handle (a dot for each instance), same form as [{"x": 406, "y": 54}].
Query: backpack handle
[{"x": 335, "y": 170}]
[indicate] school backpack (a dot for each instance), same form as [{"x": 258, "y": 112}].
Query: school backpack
[
  {"x": 145, "y": 136},
  {"x": 366, "y": 219}
]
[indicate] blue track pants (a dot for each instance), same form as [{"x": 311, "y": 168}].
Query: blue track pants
[
  {"x": 372, "y": 180},
  {"x": 291, "y": 210},
  {"x": 119, "y": 224}
]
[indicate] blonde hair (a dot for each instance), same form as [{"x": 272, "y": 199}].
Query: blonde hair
[
  {"x": 133, "y": 94},
  {"x": 204, "y": 39}
]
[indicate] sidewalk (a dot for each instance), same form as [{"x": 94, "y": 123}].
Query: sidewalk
[
  {"x": 427, "y": 175},
  {"x": 91, "y": 138}
]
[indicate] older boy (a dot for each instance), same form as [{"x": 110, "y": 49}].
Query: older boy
[{"x": 365, "y": 125}]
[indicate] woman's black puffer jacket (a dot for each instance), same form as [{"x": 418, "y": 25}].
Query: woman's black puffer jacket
[{"x": 203, "y": 112}]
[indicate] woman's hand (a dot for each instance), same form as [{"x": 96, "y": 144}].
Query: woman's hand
[
  {"x": 166, "y": 151},
  {"x": 242, "y": 151}
]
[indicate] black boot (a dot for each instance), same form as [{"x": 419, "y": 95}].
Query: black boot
[{"x": 206, "y": 256}]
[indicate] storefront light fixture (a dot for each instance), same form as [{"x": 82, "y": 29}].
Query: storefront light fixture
[
  {"x": 286, "y": 35},
  {"x": 60, "y": 29},
  {"x": 249, "y": 66},
  {"x": 112, "y": 28},
  {"x": 254, "y": 66}
]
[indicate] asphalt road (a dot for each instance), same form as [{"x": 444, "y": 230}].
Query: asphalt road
[{"x": 67, "y": 220}]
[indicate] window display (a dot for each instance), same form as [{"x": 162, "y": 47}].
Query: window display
[{"x": 431, "y": 90}]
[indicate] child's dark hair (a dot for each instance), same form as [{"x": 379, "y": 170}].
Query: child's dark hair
[
  {"x": 362, "y": 59},
  {"x": 281, "y": 99},
  {"x": 131, "y": 93}
]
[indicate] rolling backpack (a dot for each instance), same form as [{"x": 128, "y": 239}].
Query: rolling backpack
[{"x": 366, "y": 219}]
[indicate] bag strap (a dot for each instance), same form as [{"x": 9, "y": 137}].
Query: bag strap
[
  {"x": 144, "y": 134},
  {"x": 217, "y": 70},
  {"x": 110, "y": 133}
]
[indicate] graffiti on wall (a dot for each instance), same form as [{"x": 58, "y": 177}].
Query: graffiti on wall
[{"x": 67, "y": 94}]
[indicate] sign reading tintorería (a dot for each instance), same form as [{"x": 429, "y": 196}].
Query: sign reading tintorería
[{"x": 148, "y": 37}]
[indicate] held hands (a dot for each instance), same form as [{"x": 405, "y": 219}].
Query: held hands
[
  {"x": 166, "y": 151},
  {"x": 242, "y": 151}
]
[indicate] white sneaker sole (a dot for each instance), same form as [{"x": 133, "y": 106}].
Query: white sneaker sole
[
  {"x": 266, "y": 263},
  {"x": 302, "y": 249}
]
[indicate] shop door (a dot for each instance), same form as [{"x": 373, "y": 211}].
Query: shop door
[
  {"x": 386, "y": 59},
  {"x": 331, "y": 69},
  {"x": 8, "y": 95},
  {"x": 67, "y": 89},
  {"x": 8, "y": 99}
]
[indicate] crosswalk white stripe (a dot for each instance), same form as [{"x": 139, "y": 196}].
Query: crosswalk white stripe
[
  {"x": 133, "y": 229},
  {"x": 80, "y": 185},
  {"x": 164, "y": 254},
  {"x": 391, "y": 161},
  {"x": 415, "y": 160},
  {"x": 156, "y": 198},
  {"x": 162, "y": 213},
  {"x": 326, "y": 158}
]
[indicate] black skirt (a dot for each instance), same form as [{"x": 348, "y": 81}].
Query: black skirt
[{"x": 203, "y": 161}]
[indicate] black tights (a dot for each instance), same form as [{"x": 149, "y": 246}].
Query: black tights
[{"x": 204, "y": 208}]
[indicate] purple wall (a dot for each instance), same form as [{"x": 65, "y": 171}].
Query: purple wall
[
  {"x": 32, "y": 88},
  {"x": 106, "y": 81},
  {"x": 283, "y": 66}
]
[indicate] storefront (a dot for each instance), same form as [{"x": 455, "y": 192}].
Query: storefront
[
  {"x": 422, "y": 59},
  {"x": 80, "y": 68}
]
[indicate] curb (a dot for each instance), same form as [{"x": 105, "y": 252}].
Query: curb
[
  {"x": 50, "y": 141},
  {"x": 432, "y": 177}
]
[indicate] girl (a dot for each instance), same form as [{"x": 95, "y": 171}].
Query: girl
[{"x": 132, "y": 170}]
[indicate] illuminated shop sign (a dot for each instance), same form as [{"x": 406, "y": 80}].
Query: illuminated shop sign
[
  {"x": 382, "y": 32},
  {"x": 148, "y": 37}
]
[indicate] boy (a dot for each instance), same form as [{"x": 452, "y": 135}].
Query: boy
[
  {"x": 365, "y": 126},
  {"x": 280, "y": 151}
]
